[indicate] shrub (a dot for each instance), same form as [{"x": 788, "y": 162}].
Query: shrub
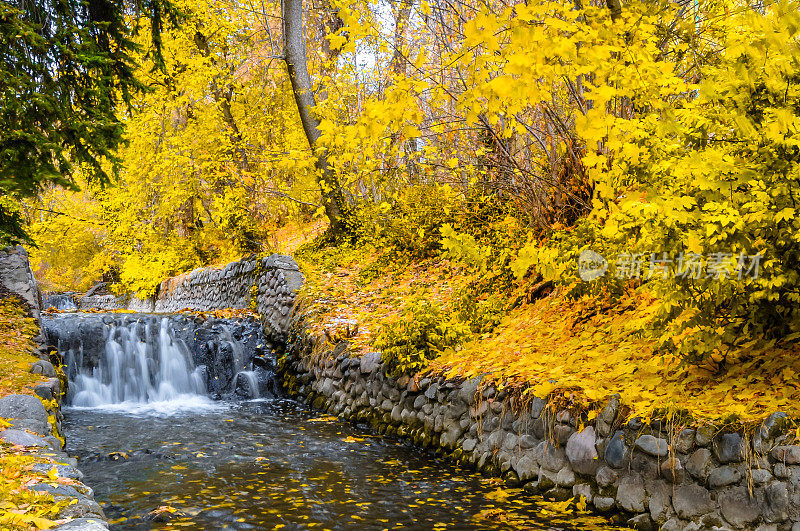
[{"x": 419, "y": 334}]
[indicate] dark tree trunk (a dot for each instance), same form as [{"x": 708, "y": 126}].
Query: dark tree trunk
[{"x": 295, "y": 56}]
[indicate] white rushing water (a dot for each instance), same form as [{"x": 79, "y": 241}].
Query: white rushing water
[
  {"x": 139, "y": 373},
  {"x": 252, "y": 382}
]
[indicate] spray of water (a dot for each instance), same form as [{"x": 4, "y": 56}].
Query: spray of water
[{"x": 137, "y": 367}]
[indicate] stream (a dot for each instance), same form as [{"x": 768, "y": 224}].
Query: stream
[{"x": 148, "y": 436}]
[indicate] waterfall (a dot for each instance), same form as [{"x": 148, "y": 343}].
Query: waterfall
[
  {"x": 137, "y": 366},
  {"x": 251, "y": 380},
  {"x": 145, "y": 363},
  {"x": 59, "y": 301}
]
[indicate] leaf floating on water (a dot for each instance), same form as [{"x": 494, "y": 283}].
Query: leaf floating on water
[{"x": 326, "y": 418}]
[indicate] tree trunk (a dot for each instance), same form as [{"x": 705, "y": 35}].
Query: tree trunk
[
  {"x": 295, "y": 56},
  {"x": 616, "y": 9}
]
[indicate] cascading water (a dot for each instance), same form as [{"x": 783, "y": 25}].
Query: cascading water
[
  {"x": 147, "y": 435},
  {"x": 137, "y": 366},
  {"x": 60, "y": 301},
  {"x": 145, "y": 363}
]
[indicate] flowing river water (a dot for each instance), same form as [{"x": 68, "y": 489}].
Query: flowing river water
[{"x": 147, "y": 437}]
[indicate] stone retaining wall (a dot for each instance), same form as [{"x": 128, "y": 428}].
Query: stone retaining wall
[
  {"x": 266, "y": 284},
  {"x": 36, "y": 426},
  {"x": 36, "y": 420},
  {"x": 644, "y": 475}
]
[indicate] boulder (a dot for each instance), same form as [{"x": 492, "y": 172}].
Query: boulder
[
  {"x": 672, "y": 470},
  {"x": 684, "y": 441},
  {"x": 43, "y": 367},
  {"x": 652, "y": 445},
  {"x": 25, "y": 412},
  {"x": 21, "y": 438},
  {"x": 370, "y": 362},
  {"x": 527, "y": 468},
  {"x": 631, "y": 494},
  {"x": 616, "y": 450},
  {"x": 776, "y": 508},
  {"x": 606, "y": 476},
  {"x": 723, "y": 476},
  {"x": 699, "y": 464},
  {"x": 738, "y": 507},
  {"x": 788, "y": 455},
  {"x": 17, "y": 278},
  {"x": 581, "y": 451},
  {"x": 690, "y": 500},
  {"x": 83, "y": 524},
  {"x": 728, "y": 448}
]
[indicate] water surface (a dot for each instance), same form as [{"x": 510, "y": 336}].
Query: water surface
[{"x": 273, "y": 464}]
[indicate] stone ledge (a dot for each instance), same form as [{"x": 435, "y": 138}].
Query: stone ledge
[{"x": 269, "y": 283}]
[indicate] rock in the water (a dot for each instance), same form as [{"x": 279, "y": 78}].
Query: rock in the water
[
  {"x": 602, "y": 503},
  {"x": 582, "y": 491},
  {"x": 565, "y": 477},
  {"x": 581, "y": 452},
  {"x": 642, "y": 522},
  {"x": 527, "y": 468}
]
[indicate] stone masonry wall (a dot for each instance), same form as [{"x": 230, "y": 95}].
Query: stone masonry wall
[
  {"x": 641, "y": 474},
  {"x": 35, "y": 421},
  {"x": 267, "y": 284}
]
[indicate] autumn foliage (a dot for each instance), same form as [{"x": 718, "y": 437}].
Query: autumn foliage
[{"x": 481, "y": 148}]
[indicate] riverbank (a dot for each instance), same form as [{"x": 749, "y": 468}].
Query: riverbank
[
  {"x": 532, "y": 336},
  {"x": 41, "y": 485},
  {"x": 673, "y": 448},
  {"x": 565, "y": 397}
]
